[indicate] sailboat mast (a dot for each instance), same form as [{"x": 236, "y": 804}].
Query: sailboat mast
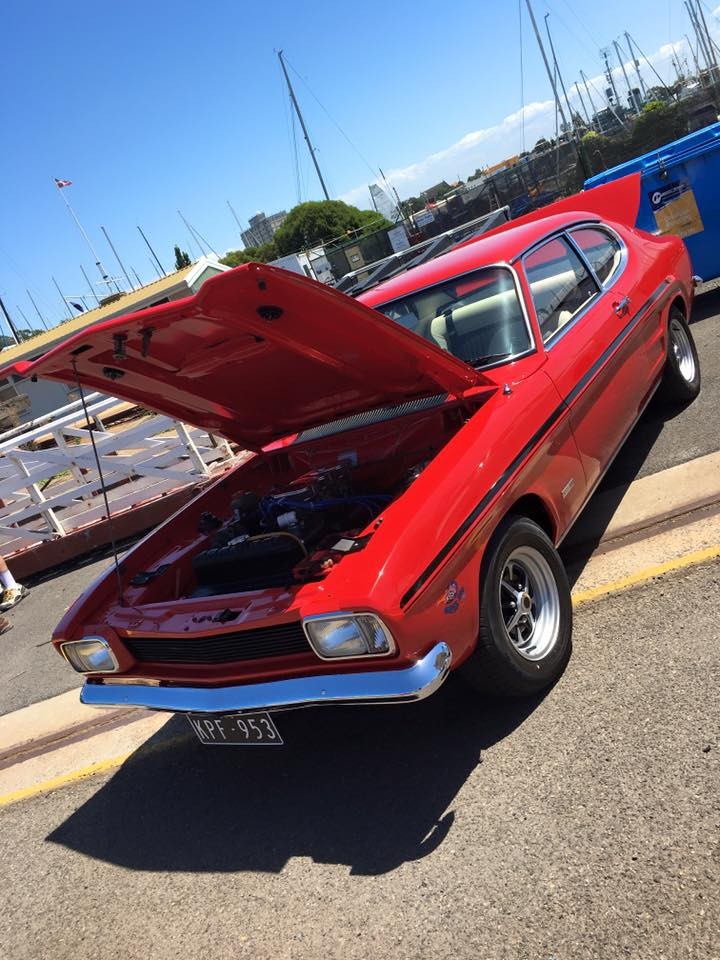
[{"x": 302, "y": 124}]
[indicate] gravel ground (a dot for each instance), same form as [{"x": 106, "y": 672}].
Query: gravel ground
[{"x": 582, "y": 825}]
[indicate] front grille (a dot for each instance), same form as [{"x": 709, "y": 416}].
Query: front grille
[{"x": 252, "y": 644}]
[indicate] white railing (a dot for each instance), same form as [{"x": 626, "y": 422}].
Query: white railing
[{"x": 52, "y": 489}]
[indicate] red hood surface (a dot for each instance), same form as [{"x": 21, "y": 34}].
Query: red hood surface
[{"x": 258, "y": 354}]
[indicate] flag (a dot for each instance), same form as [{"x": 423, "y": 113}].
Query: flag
[{"x": 62, "y": 183}]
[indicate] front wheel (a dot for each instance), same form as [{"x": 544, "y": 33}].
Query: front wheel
[
  {"x": 681, "y": 380},
  {"x": 525, "y": 636}
]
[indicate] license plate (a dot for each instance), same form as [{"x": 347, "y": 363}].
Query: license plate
[{"x": 248, "y": 729}]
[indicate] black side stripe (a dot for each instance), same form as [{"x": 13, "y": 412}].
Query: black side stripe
[
  {"x": 607, "y": 353},
  {"x": 562, "y": 407}
]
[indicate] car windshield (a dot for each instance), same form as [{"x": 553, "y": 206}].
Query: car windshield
[{"x": 477, "y": 317}]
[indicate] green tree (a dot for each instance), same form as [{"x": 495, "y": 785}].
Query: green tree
[
  {"x": 181, "y": 258},
  {"x": 262, "y": 254},
  {"x": 416, "y": 204},
  {"x": 658, "y": 124},
  {"x": 320, "y": 221},
  {"x": 233, "y": 258}
]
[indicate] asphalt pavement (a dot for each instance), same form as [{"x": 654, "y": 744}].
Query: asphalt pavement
[
  {"x": 31, "y": 669},
  {"x": 579, "y": 825}
]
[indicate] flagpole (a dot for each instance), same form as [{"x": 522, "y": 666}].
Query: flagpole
[{"x": 98, "y": 261}]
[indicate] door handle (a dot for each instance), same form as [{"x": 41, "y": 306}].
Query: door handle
[{"x": 621, "y": 307}]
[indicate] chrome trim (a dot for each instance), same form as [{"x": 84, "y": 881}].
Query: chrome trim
[
  {"x": 599, "y": 225},
  {"x": 381, "y": 686},
  {"x": 621, "y": 307},
  {"x": 554, "y": 233},
  {"x": 103, "y": 641},
  {"x": 601, "y": 290},
  {"x": 502, "y": 265},
  {"x": 581, "y": 255},
  {"x": 349, "y": 615}
]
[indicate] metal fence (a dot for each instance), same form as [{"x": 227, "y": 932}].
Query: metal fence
[{"x": 49, "y": 481}]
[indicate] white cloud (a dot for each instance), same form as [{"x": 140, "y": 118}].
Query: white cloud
[
  {"x": 477, "y": 148},
  {"x": 489, "y": 145}
]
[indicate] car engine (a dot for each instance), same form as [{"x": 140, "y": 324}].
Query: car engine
[{"x": 285, "y": 536}]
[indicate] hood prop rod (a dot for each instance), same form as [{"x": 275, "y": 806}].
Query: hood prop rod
[{"x": 111, "y": 525}]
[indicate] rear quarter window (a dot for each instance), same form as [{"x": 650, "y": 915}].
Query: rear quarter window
[
  {"x": 601, "y": 250},
  {"x": 560, "y": 285}
]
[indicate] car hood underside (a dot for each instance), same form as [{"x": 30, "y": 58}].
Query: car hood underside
[{"x": 258, "y": 354}]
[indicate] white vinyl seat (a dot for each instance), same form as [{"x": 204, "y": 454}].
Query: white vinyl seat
[
  {"x": 482, "y": 328},
  {"x": 555, "y": 304}
]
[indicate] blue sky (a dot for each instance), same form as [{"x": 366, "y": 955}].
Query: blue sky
[{"x": 156, "y": 106}]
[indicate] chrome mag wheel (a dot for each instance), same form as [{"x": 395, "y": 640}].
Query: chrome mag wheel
[
  {"x": 529, "y": 603},
  {"x": 682, "y": 350}
]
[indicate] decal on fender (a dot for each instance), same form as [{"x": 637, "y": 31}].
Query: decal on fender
[{"x": 454, "y": 596}]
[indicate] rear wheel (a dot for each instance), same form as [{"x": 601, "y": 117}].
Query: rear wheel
[
  {"x": 681, "y": 380},
  {"x": 525, "y": 634}
]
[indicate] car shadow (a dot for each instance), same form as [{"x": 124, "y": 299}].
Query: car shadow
[
  {"x": 706, "y": 305},
  {"x": 369, "y": 788}
]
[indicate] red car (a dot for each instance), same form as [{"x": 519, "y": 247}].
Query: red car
[{"x": 419, "y": 456}]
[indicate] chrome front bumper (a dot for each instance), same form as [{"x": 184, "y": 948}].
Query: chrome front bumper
[{"x": 381, "y": 686}]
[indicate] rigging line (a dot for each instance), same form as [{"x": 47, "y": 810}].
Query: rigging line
[
  {"x": 522, "y": 80},
  {"x": 710, "y": 36},
  {"x": 331, "y": 118},
  {"x": 637, "y": 45},
  {"x": 591, "y": 36},
  {"x": 28, "y": 281},
  {"x": 201, "y": 237},
  {"x": 710, "y": 11},
  {"x": 111, "y": 523},
  {"x": 610, "y": 107},
  {"x": 589, "y": 50}
]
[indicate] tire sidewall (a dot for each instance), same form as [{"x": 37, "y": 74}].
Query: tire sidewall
[
  {"x": 676, "y": 386},
  {"x": 515, "y": 532}
]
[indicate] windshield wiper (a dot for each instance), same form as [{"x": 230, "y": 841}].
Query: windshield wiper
[{"x": 489, "y": 358}]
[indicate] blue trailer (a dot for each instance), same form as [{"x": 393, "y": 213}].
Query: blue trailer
[{"x": 680, "y": 193}]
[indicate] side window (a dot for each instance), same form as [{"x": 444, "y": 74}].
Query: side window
[
  {"x": 559, "y": 283},
  {"x": 601, "y": 250}
]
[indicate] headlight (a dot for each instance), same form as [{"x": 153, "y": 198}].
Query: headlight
[
  {"x": 348, "y": 635},
  {"x": 90, "y": 655}
]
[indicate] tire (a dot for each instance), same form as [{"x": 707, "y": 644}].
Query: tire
[
  {"x": 521, "y": 567},
  {"x": 681, "y": 379}
]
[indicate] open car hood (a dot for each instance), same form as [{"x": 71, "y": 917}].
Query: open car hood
[{"x": 258, "y": 354}]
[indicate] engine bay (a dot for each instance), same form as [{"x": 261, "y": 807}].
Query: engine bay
[
  {"x": 292, "y": 535},
  {"x": 289, "y": 516}
]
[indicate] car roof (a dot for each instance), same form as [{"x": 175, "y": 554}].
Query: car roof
[{"x": 502, "y": 245}]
